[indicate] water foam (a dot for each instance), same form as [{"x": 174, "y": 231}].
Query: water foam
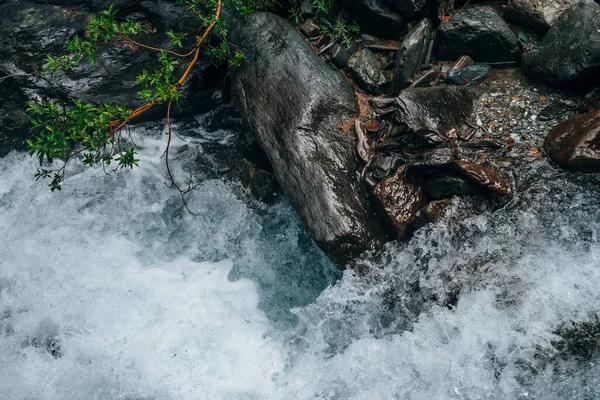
[{"x": 106, "y": 294}]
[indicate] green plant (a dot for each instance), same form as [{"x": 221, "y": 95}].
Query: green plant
[
  {"x": 323, "y": 6},
  {"x": 343, "y": 32},
  {"x": 94, "y": 132}
]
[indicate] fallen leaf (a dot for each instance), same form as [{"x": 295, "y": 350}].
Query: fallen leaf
[{"x": 544, "y": 98}]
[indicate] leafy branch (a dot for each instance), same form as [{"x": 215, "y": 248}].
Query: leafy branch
[{"x": 94, "y": 132}]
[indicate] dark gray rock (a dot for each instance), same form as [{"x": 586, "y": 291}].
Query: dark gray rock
[
  {"x": 446, "y": 186},
  {"x": 411, "y": 55},
  {"x": 537, "y": 15},
  {"x": 414, "y": 8},
  {"x": 431, "y": 112},
  {"x": 367, "y": 73},
  {"x": 341, "y": 53},
  {"x": 471, "y": 75},
  {"x": 441, "y": 156},
  {"x": 569, "y": 54},
  {"x": 478, "y": 32},
  {"x": 295, "y": 115},
  {"x": 377, "y": 18},
  {"x": 575, "y": 143}
]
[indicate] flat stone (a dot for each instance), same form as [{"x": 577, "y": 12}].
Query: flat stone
[
  {"x": 431, "y": 112},
  {"x": 470, "y": 75},
  {"x": 489, "y": 178},
  {"x": 575, "y": 143}
]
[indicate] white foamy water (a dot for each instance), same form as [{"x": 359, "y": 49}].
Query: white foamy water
[{"x": 105, "y": 293}]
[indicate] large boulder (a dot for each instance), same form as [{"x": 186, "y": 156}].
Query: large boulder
[
  {"x": 538, "y": 15},
  {"x": 478, "y": 32},
  {"x": 295, "y": 102},
  {"x": 377, "y": 18},
  {"x": 411, "y": 55},
  {"x": 569, "y": 54},
  {"x": 575, "y": 143}
]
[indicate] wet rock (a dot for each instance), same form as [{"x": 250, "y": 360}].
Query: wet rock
[
  {"x": 377, "y": 18},
  {"x": 478, "y": 32},
  {"x": 366, "y": 71},
  {"x": 14, "y": 122},
  {"x": 380, "y": 166},
  {"x": 429, "y": 78},
  {"x": 471, "y": 75},
  {"x": 400, "y": 200},
  {"x": 309, "y": 28},
  {"x": 341, "y": 53},
  {"x": 488, "y": 178},
  {"x": 297, "y": 124},
  {"x": 260, "y": 184},
  {"x": 444, "y": 186},
  {"x": 537, "y": 15},
  {"x": 438, "y": 157},
  {"x": 569, "y": 54},
  {"x": 554, "y": 111},
  {"x": 411, "y": 55},
  {"x": 413, "y": 8},
  {"x": 383, "y": 102},
  {"x": 575, "y": 143},
  {"x": 434, "y": 211},
  {"x": 433, "y": 111}
]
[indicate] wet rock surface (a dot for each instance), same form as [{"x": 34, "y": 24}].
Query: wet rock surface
[
  {"x": 575, "y": 143},
  {"x": 569, "y": 54},
  {"x": 433, "y": 112},
  {"x": 470, "y": 75},
  {"x": 367, "y": 73},
  {"x": 400, "y": 199},
  {"x": 377, "y": 18},
  {"x": 411, "y": 55},
  {"x": 538, "y": 15},
  {"x": 489, "y": 178},
  {"x": 296, "y": 123},
  {"x": 478, "y": 32}
]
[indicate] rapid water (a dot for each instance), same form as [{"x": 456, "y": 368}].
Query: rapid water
[{"x": 105, "y": 293}]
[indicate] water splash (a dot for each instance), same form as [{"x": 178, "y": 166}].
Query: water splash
[{"x": 106, "y": 294}]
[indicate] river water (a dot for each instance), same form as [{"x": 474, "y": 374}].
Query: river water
[{"x": 106, "y": 293}]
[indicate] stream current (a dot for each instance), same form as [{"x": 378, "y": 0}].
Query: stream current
[{"x": 106, "y": 293}]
